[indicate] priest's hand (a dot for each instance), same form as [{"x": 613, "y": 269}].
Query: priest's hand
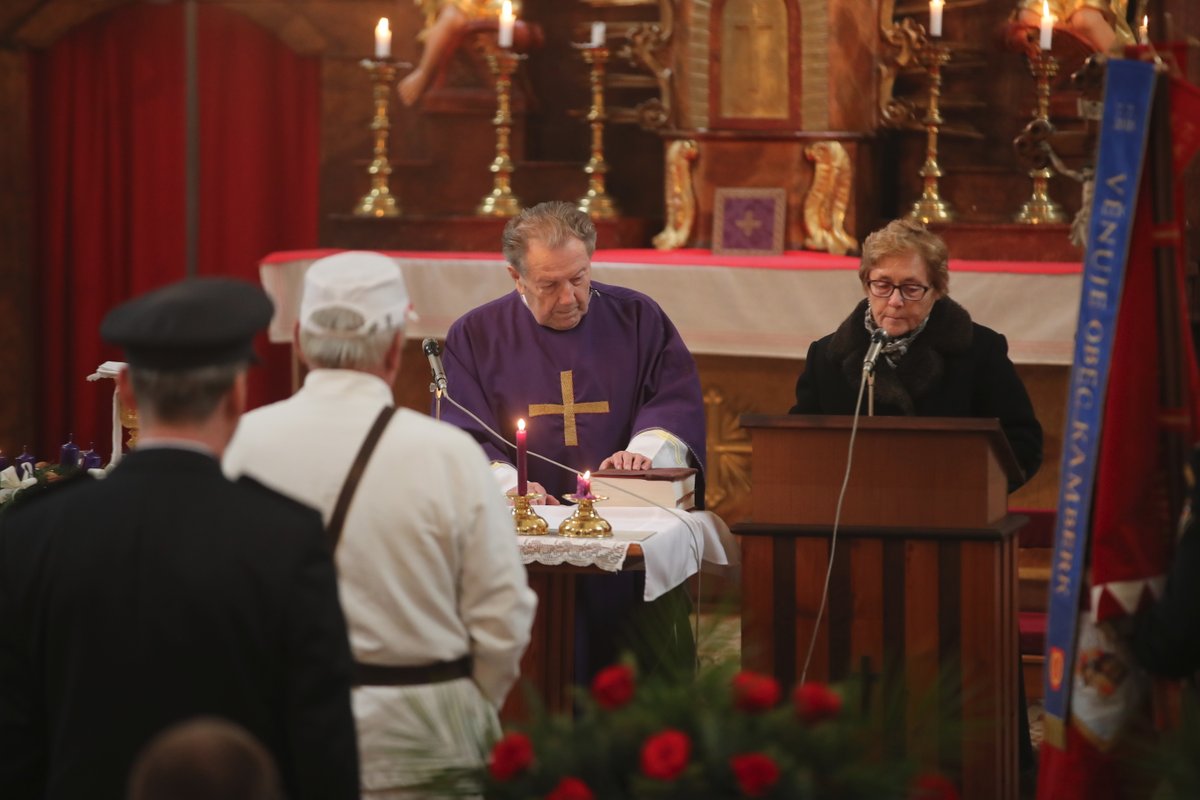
[
  {"x": 623, "y": 459},
  {"x": 546, "y": 498}
]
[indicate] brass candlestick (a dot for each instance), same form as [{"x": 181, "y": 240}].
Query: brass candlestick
[
  {"x": 931, "y": 207},
  {"x": 585, "y": 523},
  {"x": 527, "y": 521},
  {"x": 597, "y": 203},
  {"x": 1039, "y": 209},
  {"x": 501, "y": 202},
  {"x": 380, "y": 202}
]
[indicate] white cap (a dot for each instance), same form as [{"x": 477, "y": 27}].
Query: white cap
[{"x": 369, "y": 283}]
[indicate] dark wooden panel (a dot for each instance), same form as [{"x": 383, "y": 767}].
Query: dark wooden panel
[{"x": 758, "y": 593}]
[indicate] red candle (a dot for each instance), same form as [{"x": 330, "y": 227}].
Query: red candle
[
  {"x": 522, "y": 460},
  {"x": 583, "y": 486}
]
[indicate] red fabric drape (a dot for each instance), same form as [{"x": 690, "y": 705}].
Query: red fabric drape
[{"x": 108, "y": 127}]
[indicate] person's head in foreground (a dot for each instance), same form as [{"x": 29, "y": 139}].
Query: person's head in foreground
[
  {"x": 204, "y": 759},
  {"x": 549, "y": 252},
  {"x": 903, "y": 272}
]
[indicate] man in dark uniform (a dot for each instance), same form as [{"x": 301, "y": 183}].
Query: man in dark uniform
[{"x": 165, "y": 591}]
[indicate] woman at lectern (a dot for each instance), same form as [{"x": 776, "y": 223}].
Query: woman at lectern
[{"x": 930, "y": 359}]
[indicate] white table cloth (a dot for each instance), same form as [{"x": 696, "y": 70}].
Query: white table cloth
[{"x": 674, "y": 545}]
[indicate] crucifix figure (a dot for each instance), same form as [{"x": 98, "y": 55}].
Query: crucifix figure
[{"x": 568, "y": 408}]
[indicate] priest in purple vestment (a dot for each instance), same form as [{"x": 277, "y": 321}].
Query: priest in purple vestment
[
  {"x": 598, "y": 372},
  {"x": 602, "y": 379}
]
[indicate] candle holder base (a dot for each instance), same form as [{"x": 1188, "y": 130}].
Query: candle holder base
[
  {"x": 585, "y": 523},
  {"x": 598, "y": 205},
  {"x": 527, "y": 521},
  {"x": 931, "y": 209},
  {"x": 501, "y": 202},
  {"x": 1040, "y": 208},
  {"x": 378, "y": 203}
]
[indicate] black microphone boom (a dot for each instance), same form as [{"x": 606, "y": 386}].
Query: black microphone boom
[
  {"x": 878, "y": 339},
  {"x": 433, "y": 351}
]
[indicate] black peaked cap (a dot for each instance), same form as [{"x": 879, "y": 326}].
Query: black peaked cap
[{"x": 199, "y": 322}]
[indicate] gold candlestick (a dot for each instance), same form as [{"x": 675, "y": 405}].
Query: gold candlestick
[
  {"x": 501, "y": 202},
  {"x": 527, "y": 521},
  {"x": 597, "y": 203},
  {"x": 930, "y": 207},
  {"x": 585, "y": 523},
  {"x": 380, "y": 202},
  {"x": 1040, "y": 209}
]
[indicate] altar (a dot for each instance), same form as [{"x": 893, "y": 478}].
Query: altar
[{"x": 670, "y": 547}]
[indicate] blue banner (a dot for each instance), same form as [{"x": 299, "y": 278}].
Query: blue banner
[{"x": 1128, "y": 95}]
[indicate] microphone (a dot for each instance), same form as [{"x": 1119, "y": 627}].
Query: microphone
[
  {"x": 878, "y": 339},
  {"x": 433, "y": 351}
]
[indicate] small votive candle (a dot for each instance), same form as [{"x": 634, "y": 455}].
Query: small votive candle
[
  {"x": 583, "y": 486},
  {"x": 1144, "y": 30},
  {"x": 24, "y": 463},
  {"x": 935, "y": 17},
  {"x": 504, "y": 36},
  {"x": 598, "y": 34},
  {"x": 383, "y": 39},
  {"x": 1047, "y": 28}
]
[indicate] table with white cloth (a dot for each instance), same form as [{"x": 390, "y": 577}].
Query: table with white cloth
[{"x": 669, "y": 547}]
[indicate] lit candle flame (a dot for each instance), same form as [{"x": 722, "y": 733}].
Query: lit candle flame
[{"x": 520, "y": 424}]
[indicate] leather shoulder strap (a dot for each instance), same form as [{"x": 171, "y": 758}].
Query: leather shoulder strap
[{"x": 338, "y": 520}]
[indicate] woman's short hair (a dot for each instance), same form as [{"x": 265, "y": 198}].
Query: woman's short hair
[
  {"x": 365, "y": 351},
  {"x": 901, "y": 237},
  {"x": 553, "y": 223}
]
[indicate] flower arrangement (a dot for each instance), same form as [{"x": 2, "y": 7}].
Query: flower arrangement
[
  {"x": 14, "y": 484},
  {"x": 724, "y": 734}
]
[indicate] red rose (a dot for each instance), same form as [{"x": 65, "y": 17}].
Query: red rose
[
  {"x": 933, "y": 786},
  {"x": 613, "y": 687},
  {"x": 511, "y": 755},
  {"x": 753, "y": 692},
  {"x": 664, "y": 755},
  {"x": 756, "y": 773},
  {"x": 571, "y": 789},
  {"x": 816, "y": 702}
]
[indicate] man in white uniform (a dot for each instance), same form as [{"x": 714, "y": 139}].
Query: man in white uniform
[{"x": 436, "y": 599}]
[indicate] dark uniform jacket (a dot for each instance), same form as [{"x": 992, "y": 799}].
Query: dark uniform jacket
[
  {"x": 954, "y": 368},
  {"x": 163, "y": 592}
]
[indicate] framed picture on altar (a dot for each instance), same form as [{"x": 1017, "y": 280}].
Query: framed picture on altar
[{"x": 749, "y": 222}]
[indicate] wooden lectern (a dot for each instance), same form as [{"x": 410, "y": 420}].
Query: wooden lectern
[{"x": 923, "y": 583}]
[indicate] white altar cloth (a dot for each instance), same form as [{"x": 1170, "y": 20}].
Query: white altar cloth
[
  {"x": 674, "y": 545},
  {"x": 773, "y": 311}
]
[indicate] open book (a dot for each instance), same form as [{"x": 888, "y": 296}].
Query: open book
[{"x": 671, "y": 487}]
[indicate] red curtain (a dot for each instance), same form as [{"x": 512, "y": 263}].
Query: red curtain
[{"x": 109, "y": 149}]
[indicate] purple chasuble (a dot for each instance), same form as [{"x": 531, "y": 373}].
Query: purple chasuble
[{"x": 585, "y": 392}]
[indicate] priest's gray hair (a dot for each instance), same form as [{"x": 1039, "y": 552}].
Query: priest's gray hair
[
  {"x": 342, "y": 347},
  {"x": 901, "y": 237},
  {"x": 553, "y": 223},
  {"x": 182, "y": 396}
]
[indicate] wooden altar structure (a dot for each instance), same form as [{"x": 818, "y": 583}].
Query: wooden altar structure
[{"x": 923, "y": 581}]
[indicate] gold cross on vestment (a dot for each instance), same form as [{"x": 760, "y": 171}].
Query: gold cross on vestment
[
  {"x": 569, "y": 408},
  {"x": 748, "y": 224}
]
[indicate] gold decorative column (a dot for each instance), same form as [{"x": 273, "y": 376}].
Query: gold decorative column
[
  {"x": 931, "y": 207},
  {"x": 501, "y": 202},
  {"x": 596, "y": 202},
  {"x": 1039, "y": 209},
  {"x": 380, "y": 202}
]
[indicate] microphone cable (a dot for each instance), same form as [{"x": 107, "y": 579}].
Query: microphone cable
[{"x": 837, "y": 517}]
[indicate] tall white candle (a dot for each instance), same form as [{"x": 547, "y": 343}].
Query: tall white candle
[
  {"x": 598, "y": 34},
  {"x": 383, "y": 39},
  {"x": 935, "y": 17},
  {"x": 505, "y": 35},
  {"x": 1047, "y": 30}
]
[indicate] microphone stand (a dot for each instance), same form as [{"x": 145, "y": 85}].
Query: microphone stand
[
  {"x": 437, "y": 401},
  {"x": 871, "y": 393}
]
